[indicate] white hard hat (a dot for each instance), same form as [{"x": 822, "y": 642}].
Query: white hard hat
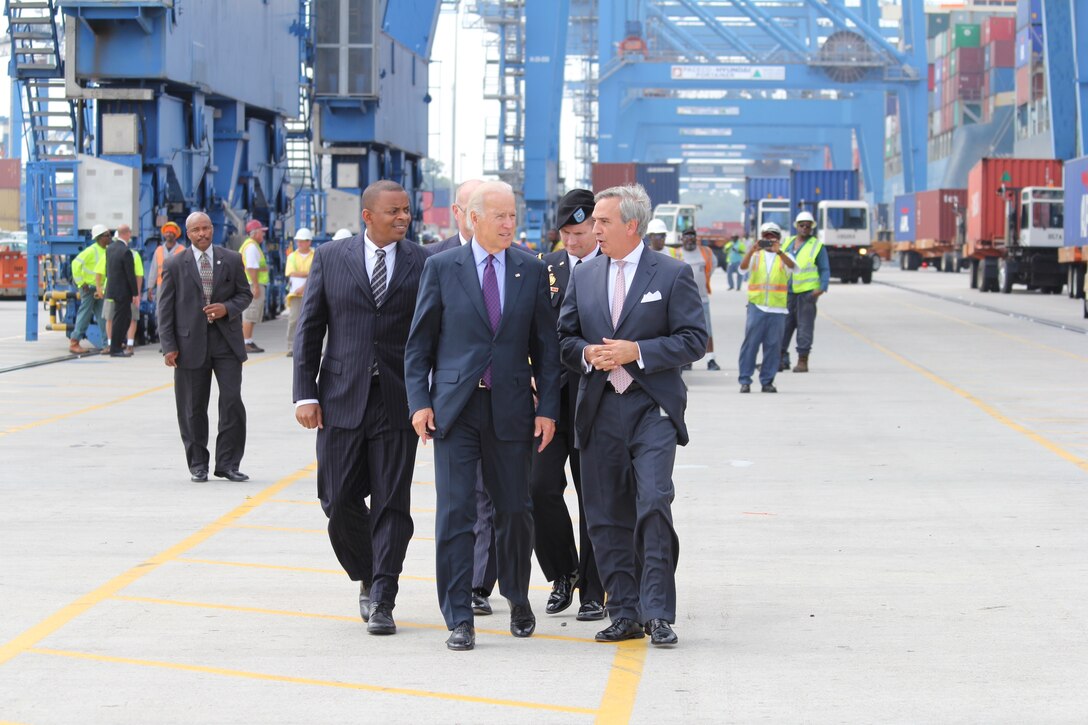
[
  {"x": 656, "y": 226},
  {"x": 304, "y": 235},
  {"x": 342, "y": 234},
  {"x": 523, "y": 235},
  {"x": 804, "y": 217},
  {"x": 770, "y": 227},
  {"x": 98, "y": 230}
]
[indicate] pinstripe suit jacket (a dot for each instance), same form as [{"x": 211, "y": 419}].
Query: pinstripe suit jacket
[
  {"x": 451, "y": 335},
  {"x": 339, "y": 302}
]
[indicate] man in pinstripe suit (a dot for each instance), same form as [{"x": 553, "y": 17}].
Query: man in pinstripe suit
[{"x": 361, "y": 293}]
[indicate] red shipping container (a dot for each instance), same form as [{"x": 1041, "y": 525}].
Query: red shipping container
[
  {"x": 998, "y": 28},
  {"x": 986, "y": 207},
  {"x": 10, "y": 172},
  {"x": 969, "y": 60},
  {"x": 606, "y": 176},
  {"x": 1023, "y": 85},
  {"x": 932, "y": 78},
  {"x": 1038, "y": 86},
  {"x": 946, "y": 118},
  {"x": 1001, "y": 54},
  {"x": 935, "y": 218}
]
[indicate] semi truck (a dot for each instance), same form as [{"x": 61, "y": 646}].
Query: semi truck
[
  {"x": 1074, "y": 252},
  {"x": 1015, "y": 224},
  {"x": 842, "y": 219},
  {"x": 930, "y": 228},
  {"x": 677, "y": 218},
  {"x": 766, "y": 199}
]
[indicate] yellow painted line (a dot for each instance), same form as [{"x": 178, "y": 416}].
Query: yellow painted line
[
  {"x": 1009, "y": 335},
  {"x": 333, "y": 617},
  {"x": 978, "y": 402},
  {"x": 222, "y": 671},
  {"x": 618, "y": 700},
  {"x": 100, "y": 406},
  {"x": 55, "y": 621},
  {"x": 82, "y": 411},
  {"x": 306, "y": 569},
  {"x": 296, "y": 530}
]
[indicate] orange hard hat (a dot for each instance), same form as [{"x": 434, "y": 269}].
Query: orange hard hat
[{"x": 171, "y": 225}]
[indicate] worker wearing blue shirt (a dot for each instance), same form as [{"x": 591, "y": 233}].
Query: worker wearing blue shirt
[{"x": 810, "y": 280}]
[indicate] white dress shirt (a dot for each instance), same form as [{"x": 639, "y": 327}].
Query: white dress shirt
[
  {"x": 629, "y": 269},
  {"x": 573, "y": 261},
  {"x": 371, "y": 257},
  {"x": 480, "y": 255},
  {"x": 196, "y": 256}
]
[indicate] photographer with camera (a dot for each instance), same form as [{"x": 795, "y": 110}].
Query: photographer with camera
[{"x": 768, "y": 283}]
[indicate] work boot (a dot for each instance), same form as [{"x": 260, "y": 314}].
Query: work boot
[
  {"x": 802, "y": 364},
  {"x": 784, "y": 363}
]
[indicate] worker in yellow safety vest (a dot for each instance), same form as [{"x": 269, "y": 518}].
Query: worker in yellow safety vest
[
  {"x": 257, "y": 271},
  {"x": 171, "y": 234},
  {"x": 90, "y": 303},
  {"x": 768, "y": 285},
  {"x": 809, "y": 282}
]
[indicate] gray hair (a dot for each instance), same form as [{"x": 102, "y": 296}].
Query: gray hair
[
  {"x": 196, "y": 214},
  {"x": 634, "y": 204},
  {"x": 476, "y": 201}
]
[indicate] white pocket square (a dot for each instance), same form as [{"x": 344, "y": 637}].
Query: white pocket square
[{"x": 651, "y": 297}]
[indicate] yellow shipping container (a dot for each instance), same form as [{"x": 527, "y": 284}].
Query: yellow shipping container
[{"x": 9, "y": 204}]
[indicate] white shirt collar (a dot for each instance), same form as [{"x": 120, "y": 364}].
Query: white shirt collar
[
  {"x": 209, "y": 251},
  {"x": 634, "y": 256},
  {"x": 461, "y": 237},
  {"x": 572, "y": 260},
  {"x": 372, "y": 248}
]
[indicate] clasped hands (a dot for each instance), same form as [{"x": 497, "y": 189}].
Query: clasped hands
[{"x": 611, "y": 354}]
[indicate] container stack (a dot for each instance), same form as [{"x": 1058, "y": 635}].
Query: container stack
[
  {"x": 999, "y": 59},
  {"x": 10, "y": 204},
  {"x": 1030, "y": 79},
  {"x": 958, "y": 60}
]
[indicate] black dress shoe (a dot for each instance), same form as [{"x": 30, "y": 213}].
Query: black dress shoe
[
  {"x": 232, "y": 475},
  {"x": 620, "y": 630},
  {"x": 591, "y": 612},
  {"x": 462, "y": 638},
  {"x": 364, "y": 601},
  {"x": 480, "y": 604},
  {"x": 522, "y": 620},
  {"x": 562, "y": 593},
  {"x": 198, "y": 475},
  {"x": 661, "y": 633},
  {"x": 123, "y": 353},
  {"x": 381, "y": 619},
  {"x": 746, "y": 388},
  {"x": 769, "y": 388},
  {"x": 251, "y": 347}
]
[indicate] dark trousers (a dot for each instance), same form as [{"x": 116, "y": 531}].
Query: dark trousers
[
  {"x": 122, "y": 316},
  {"x": 552, "y": 529},
  {"x": 627, "y": 484},
  {"x": 192, "y": 391},
  {"x": 484, "y": 568},
  {"x": 375, "y": 460},
  {"x": 802, "y": 318},
  {"x": 471, "y": 442}
]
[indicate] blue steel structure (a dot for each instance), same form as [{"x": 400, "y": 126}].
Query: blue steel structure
[
  {"x": 804, "y": 72},
  {"x": 1065, "y": 37}
]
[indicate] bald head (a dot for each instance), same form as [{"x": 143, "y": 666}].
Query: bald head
[{"x": 460, "y": 206}]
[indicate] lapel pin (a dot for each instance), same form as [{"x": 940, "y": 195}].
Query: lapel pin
[{"x": 517, "y": 274}]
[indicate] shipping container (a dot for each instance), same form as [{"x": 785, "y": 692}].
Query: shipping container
[
  {"x": 758, "y": 188},
  {"x": 1076, "y": 202},
  {"x": 10, "y": 173},
  {"x": 936, "y": 23},
  {"x": 966, "y": 35},
  {"x": 931, "y": 76},
  {"x": 1000, "y": 54},
  {"x": 9, "y": 203},
  {"x": 967, "y": 60},
  {"x": 1038, "y": 86},
  {"x": 904, "y": 218},
  {"x": 1028, "y": 12},
  {"x": 997, "y": 28},
  {"x": 1000, "y": 80},
  {"x": 808, "y": 188},
  {"x": 936, "y": 221},
  {"x": 661, "y": 182},
  {"x": 608, "y": 175},
  {"x": 1023, "y": 85},
  {"x": 1029, "y": 45},
  {"x": 985, "y": 205}
]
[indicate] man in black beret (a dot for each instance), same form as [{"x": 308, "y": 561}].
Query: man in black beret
[{"x": 556, "y": 551}]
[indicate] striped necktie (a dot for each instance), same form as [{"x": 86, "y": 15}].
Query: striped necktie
[
  {"x": 206, "y": 277},
  {"x": 377, "y": 280}
]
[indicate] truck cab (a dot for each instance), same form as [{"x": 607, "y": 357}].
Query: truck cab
[
  {"x": 677, "y": 218},
  {"x": 773, "y": 210},
  {"x": 1042, "y": 218},
  {"x": 843, "y": 228}
]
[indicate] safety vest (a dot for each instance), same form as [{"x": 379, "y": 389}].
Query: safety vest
[
  {"x": 85, "y": 264},
  {"x": 262, "y": 275},
  {"x": 178, "y": 249},
  {"x": 768, "y": 287},
  {"x": 806, "y": 277}
]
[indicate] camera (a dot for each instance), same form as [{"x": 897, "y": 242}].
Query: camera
[{"x": 766, "y": 243}]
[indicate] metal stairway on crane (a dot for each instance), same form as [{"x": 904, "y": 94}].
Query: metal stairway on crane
[
  {"x": 308, "y": 199},
  {"x": 504, "y": 147}
]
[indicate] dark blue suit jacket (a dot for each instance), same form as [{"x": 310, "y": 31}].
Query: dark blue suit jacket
[
  {"x": 448, "y": 243},
  {"x": 338, "y": 301},
  {"x": 662, "y": 313},
  {"x": 451, "y": 335}
]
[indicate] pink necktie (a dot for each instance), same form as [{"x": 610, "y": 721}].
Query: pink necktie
[{"x": 619, "y": 377}]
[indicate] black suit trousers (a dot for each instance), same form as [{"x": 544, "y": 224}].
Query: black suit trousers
[
  {"x": 627, "y": 484},
  {"x": 552, "y": 529},
  {"x": 375, "y": 460},
  {"x": 505, "y": 468},
  {"x": 192, "y": 391},
  {"x": 122, "y": 316}
]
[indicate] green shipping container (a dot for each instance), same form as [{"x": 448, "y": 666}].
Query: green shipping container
[
  {"x": 936, "y": 23},
  {"x": 967, "y": 36}
]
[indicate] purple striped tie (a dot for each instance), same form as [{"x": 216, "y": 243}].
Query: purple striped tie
[{"x": 494, "y": 307}]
